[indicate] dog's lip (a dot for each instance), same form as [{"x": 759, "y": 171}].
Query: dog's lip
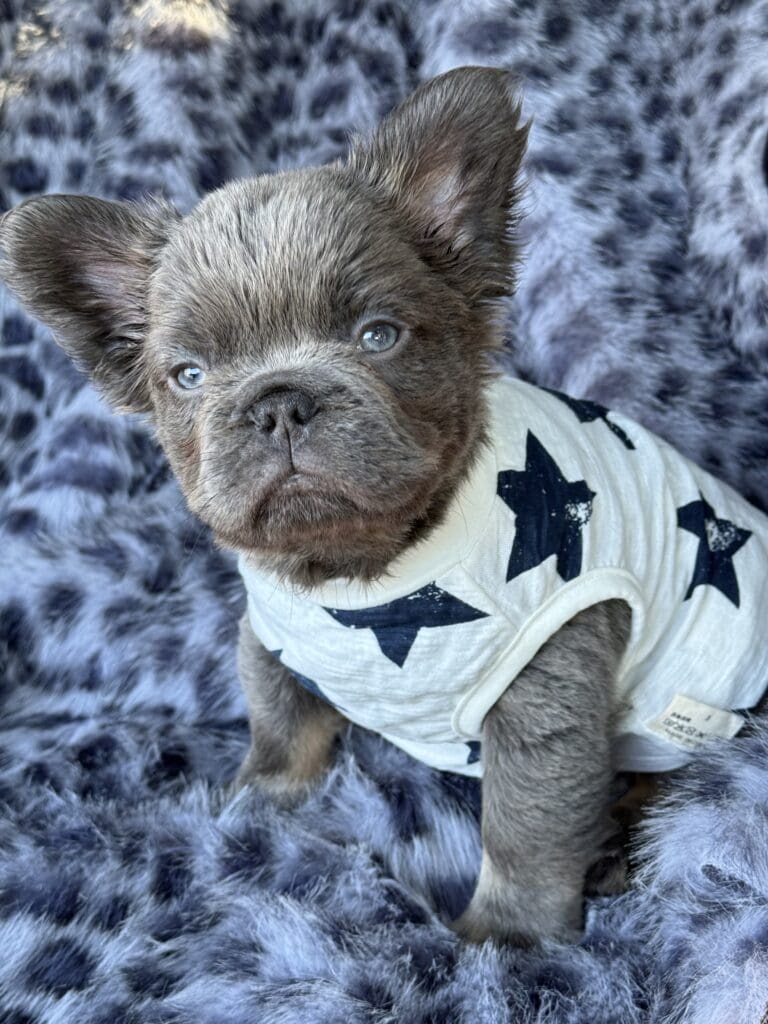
[
  {"x": 298, "y": 480},
  {"x": 295, "y": 481}
]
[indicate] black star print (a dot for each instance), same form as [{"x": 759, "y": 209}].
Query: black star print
[
  {"x": 308, "y": 684},
  {"x": 474, "y": 752},
  {"x": 396, "y": 625},
  {"x": 550, "y": 513},
  {"x": 588, "y": 412},
  {"x": 719, "y": 540}
]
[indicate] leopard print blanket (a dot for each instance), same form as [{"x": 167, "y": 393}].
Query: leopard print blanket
[{"x": 133, "y": 889}]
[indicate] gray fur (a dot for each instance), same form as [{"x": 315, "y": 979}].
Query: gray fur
[
  {"x": 291, "y": 729},
  {"x": 547, "y": 780}
]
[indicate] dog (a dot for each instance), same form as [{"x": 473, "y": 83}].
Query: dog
[{"x": 505, "y": 581}]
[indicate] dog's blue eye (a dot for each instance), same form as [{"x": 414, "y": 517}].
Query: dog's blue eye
[
  {"x": 378, "y": 337},
  {"x": 190, "y": 377}
]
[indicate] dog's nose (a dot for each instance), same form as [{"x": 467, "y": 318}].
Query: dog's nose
[{"x": 283, "y": 411}]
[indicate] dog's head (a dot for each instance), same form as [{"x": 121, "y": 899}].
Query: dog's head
[{"x": 311, "y": 346}]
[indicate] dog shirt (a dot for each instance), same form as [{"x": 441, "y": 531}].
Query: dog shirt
[{"x": 566, "y": 506}]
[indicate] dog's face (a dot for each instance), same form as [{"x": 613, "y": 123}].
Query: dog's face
[{"x": 311, "y": 346}]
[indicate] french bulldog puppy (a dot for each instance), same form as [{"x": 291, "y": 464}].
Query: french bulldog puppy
[{"x": 314, "y": 350}]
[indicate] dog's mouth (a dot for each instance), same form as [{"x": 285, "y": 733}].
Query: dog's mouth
[{"x": 296, "y": 481}]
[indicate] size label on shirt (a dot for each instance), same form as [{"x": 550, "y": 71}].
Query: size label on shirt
[{"x": 690, "y": 724}]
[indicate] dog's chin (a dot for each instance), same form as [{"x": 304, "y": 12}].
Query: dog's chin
[
  {"x": 296, "y": 510},
  {"x": 309, "y": 527}
]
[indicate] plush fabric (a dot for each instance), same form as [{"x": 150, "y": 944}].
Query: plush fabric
[{"x": 132, "y": 889}]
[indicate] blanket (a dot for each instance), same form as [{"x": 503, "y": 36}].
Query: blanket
[{"x": 134, "y": 888}]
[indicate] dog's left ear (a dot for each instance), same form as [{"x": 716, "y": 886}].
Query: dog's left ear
[
  {"x": 83, "y": 266},
  {"x": 448, "y": 159}
]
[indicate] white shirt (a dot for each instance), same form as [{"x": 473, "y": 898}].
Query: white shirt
[{"x": 568, "y": 505}]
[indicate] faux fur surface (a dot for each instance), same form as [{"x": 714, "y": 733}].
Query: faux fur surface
[{"x": 133, "y": 890}]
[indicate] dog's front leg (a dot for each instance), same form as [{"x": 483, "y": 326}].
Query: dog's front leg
[
  {"x": 546, "y": 784},
  {"x": 292, "y": 730}
]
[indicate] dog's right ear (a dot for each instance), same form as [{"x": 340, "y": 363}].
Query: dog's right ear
[
  {"x": 447, "y": 160},
  {"x": 83, "y": 266}
]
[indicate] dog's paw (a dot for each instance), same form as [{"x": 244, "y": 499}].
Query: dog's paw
[
  {"x": 478, "y": 928},
  {"x": 281, "y": 788},
  {"x": 513, "y": 925}
]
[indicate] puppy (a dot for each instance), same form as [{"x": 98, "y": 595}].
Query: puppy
[{"x": 503, "y": 581}]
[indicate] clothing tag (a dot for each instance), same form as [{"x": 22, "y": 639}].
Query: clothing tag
[{"x": 690, "y": 724}]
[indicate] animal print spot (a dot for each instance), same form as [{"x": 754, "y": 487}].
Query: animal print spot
[
  {"x": 756, "y": 245},
  {"x": 62, "y": 602},
  {"x": 282, "y": 102},
  {"x": 212, "y": 169},
  {"x": 600, "y": 79},
  {"x": 82, "y": 430},
  {"x": 98, "y": 753},
  {"x": 16, "y": 1015},
  {"x": 557, "y": 28},
  {"x": 670, "y": 147},
  {"x": 171, "y": 875},
  {"x": 123, "y": 109},
  {"x": 254, "y": 121},
  {"x": 148, "y": 980},
  {"x": 714, "y": 80},
  {"x": 112, "y": 913},
  {"x": 44, "y": 126},
  {"x": 130, "y": 188},
  {"x": 93, "y": 477},
  {"x": 84, "y": 125},
  {"x": 176, "y": 40},
  {"x": 108, "y": 554},
  {"x": 337, "y": 49},
  {"x": 59, "y": 967},
  {"x": 313, "y": 29},
  {"x": 95, "y": 39},
  {"x": 264, "y": 60},
  {"x": 22, "y": 521},
  {"x": 94, "y": 76},
  {"x": 634, "y": 162},
  {"x": 553, "y": 163},
  {"x": 25, "y": 176},
  {"x": 635, "y": 213},
  {"x": 162, "y": 578},
  {"x": 17, "y": 330},
  {"x": 246, "y": 851},
  {"x": 656, "y": 107},
  {"x": 159, "y": 149},
  {"x": 22, "y": 424},
  {"x": 15, "y": 631},
  {"x": 23, "y": 373},
  {"x": 269, "y": 21},
  {"x": 123, "y": 617},
  {"x": 346, "y": 10},
  {"x": 75, "y": 172},
  {"x": 329, "y": 95},
  {"x": 171, "y": 763},
  {"x": 673, "y": 384},
  {"x": 27, "y": 464}
]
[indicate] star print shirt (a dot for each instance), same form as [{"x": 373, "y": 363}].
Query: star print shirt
[{"x": 567, "y": 506}]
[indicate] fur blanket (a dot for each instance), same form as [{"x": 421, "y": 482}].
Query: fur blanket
[{"x": 132, "y": 890}]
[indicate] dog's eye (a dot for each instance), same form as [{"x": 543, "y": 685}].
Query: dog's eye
[
  {"x": 378, "y": 337},
  {"x": 189, "y": 377}
]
